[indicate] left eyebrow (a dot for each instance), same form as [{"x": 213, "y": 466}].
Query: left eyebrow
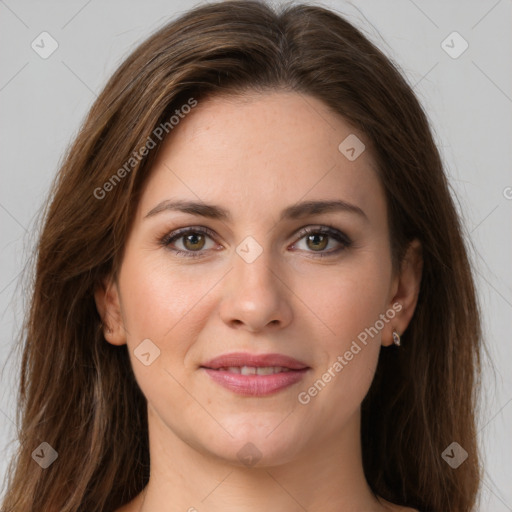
[
  {"x": 317, "y": 207},
  {"x": 296, "y": 211}
]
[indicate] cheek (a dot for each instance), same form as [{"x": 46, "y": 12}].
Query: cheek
[
  {"x": 350, "y": 298},
  {"x": 169, "y": 307},
  {"x": 160, "y": 300},
  {"x": 350, "y": 302}
]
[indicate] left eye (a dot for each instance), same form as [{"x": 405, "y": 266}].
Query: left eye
[{"x": 318, "y": 239}]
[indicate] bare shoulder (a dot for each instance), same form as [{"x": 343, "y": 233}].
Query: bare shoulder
[
  {"x": 131, "y": 506},
  {"x": 125, "y": 508},
  {"x": 397, "y": 508}
]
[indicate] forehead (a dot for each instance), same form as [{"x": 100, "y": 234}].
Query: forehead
[{"x": 262, "y": 152}]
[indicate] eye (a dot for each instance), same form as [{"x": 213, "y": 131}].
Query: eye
[
  {"x": 318, "y": 238},
  {"x": 193, "y": 241}
]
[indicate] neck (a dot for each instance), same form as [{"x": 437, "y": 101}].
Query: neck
[{"x": 328, "y": 477}]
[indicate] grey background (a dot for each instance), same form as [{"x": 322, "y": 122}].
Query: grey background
[{"x": 468, "y": 99}]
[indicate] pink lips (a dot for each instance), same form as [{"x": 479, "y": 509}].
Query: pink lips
[{"x": 225, "y": 371}]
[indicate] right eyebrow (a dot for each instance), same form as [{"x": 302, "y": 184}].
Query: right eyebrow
[{"x": 194, "y": 208}]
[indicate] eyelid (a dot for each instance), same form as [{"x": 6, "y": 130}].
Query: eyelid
[{"x": 189, "y": 229}]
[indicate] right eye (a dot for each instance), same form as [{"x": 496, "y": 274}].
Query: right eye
[{"x": 192, "y": 239}]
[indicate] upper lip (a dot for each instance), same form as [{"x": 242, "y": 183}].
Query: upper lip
[{"x": 239, "y": 359}]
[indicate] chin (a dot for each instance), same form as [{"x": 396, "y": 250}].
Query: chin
[{"x": 255, "y": 445}]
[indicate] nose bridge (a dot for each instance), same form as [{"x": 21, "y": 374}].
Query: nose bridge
[{"x": 254, "y": 269}]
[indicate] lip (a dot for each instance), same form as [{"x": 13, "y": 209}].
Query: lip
[
  {"x": 255, "y": 385},
  {"x": 256, "y": 360}
]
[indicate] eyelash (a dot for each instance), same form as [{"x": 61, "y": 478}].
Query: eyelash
[{"x": 337, "y": 235}]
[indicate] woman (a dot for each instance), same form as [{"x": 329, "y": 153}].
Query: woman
[{"x": 253, "y": 286}]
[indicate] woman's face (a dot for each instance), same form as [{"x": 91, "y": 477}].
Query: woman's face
[{"x": 255, "y": 269}]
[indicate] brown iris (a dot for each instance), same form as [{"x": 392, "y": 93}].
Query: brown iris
[
  {"x": 194, "y": 241},
  {"x": 317, "y": 245}
]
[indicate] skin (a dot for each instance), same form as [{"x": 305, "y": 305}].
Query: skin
[{"x": 256, "y": 155}]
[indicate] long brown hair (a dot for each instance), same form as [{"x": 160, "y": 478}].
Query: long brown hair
[{"x": 78, "y": 392}]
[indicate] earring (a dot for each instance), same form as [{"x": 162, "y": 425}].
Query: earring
[
  {"x": 107, "y": 328},
  {"x": 396, "y": 338}
]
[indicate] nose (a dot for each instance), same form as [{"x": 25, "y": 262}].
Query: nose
[{"x": 256, "y": 296}]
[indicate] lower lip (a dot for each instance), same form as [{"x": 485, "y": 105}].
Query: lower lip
[{"x": 255, "y": 385}]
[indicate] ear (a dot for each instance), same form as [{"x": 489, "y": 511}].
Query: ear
[
  {"x": 108, "y": 305},
  {"x": 404, "y": 292}
]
